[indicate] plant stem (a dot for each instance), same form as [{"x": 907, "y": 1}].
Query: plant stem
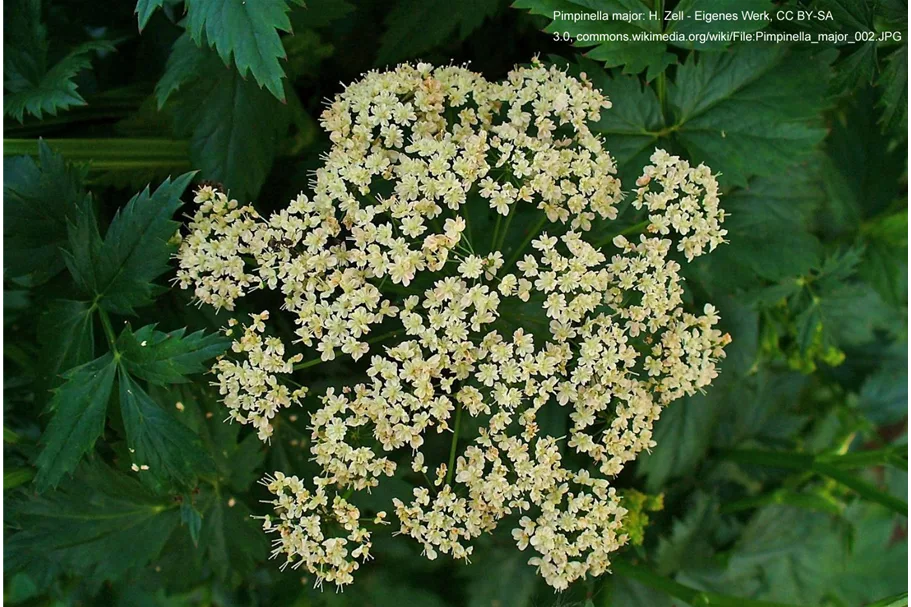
[
  {"x": 452, "y": 447},
  {"x": 685, "y": 593},
  {"x": 110, "y": 154},
  {"x": 502, "y": 237},
  {"x": 808, "y": 501},
  {"x": 108, "y": 329},
  {"x": 827, "y": 465},
  {"x": 531, "y": 234}
]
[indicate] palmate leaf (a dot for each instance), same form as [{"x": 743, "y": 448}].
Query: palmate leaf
[
  {"x": 119, "y": 271},
  {"x": 247, "y": 32},
  {"x": 66, "y": 333},
  {"x": 619, "y": 46},
  {"x": 753, "y": 111},
  {"x": 167, "y": 358},
  {"x": 100, "y": 525},
  {"x": 769, "y": 226},
  {"x": 38, "y": 201},
  {"x": 79, "y": 406},
  {"x": 32, "y": 86},
  {"x": 158, "y": 440},
  {"x": 417, "y": 26},
  {"x": 234, "y": 126}
]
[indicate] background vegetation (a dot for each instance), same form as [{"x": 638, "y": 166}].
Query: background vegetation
[{"x": 785, "y": 483}]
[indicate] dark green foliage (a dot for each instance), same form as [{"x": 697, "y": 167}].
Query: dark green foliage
[
  {"x": 123, "y": 483},
  {"x": 38, "y": 201},
  {"x": 32, "y": 83},
  {"x": 117, "y": 272}
]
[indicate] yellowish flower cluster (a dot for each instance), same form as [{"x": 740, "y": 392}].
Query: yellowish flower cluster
[
  {"x": 599, "y": 335},
  {"x": 251, "y": 386},
  {"x": 304, "y": 521}
]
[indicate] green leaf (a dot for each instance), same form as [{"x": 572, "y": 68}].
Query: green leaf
[
  {"x": 192, "y": 518},
  {"x": 883, "y": 397},
  {"x": 768, "y": 228},
  {"x": 99, "y": 525},
  {"x": 683, "y": 435},
  {"x": 689, "y": 543},
  {"x": 631, "y": 125},
  {"x": 620, "y": 41},
  {"x": 863, "y": 167},
  {"x": 38, "y": 200},
  {"x": 79, "y": 406},
  {"x": 754, "y": 111},
  {"x": 158, "y": 440},
  {"x": 15, "y": 477},
  {"x": 417, "y": 26},
  {"x": 32, "y": 86},
  {"x": 232, "y": 540},
  {"x": 66, "y": 332},
  {"x": 248, "y": 32},
  {"x": 119, "y": 272},
  {"x": 784, "y": 554},
  {"x": 234, "y": 126},
  {"x": 894, "y": 84},
  {"x": 500, "y": 577},
  {"x": 145, "y": 9},
  {"x": 167, "y": 358}
]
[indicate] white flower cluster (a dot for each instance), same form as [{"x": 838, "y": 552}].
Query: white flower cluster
[{"x": 600, "y": 334}]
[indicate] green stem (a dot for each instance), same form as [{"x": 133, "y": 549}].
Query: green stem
[
  {"x": 531, "y": 234},
  {"x": 110, "y": 154},
  {"x": 807, "y": 501},
  {"x": 496, "y": 232},
  {"x": 108, "y": 329},
  {"x": 899, "y": 600},
  {"x": 502, "y": 236},
  {"x": 687, "y": 594},
  {"x": 452, "y": 447},
  {"x": 827, "y": 465}
]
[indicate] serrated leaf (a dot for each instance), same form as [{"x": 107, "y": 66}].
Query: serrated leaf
[
  {"x": 624, "y": 41},
  {"x": 631, "y": 125},
  {"x": 66, "y": 333},
  {"x": 784, "y": 554},
  {"x": 38, "y": 200},
  {"x": 894, "y": 84},
  {"x": 234, "y": 126},
  {"x": 192, "y": 518},
  {"x": 79, "y": 406},
  {"x": 689, "y": 543},
  {"x": 754, "y": 111},
  {"x": 247, "y": 32},
  {"x": 883, "y": 397},
  {"x": 683, "y": 436},
  {"x": 119, "y": 271},
  {"x": 145, "y": 9},
  {"x": 32, "y": 86},
  {"x": 167, "y": 358},
  {"x": 769, "y": 230},
  {"x": 99, "y": 525},
  {"x": 157, "y": 439},
  {"x": 417, "y": 26}
]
